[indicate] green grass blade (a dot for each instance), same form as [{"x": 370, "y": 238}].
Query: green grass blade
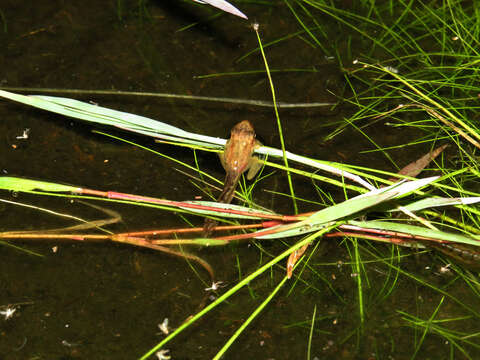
[
  {"x": 343, "y": 210},
  {"x": 19, "y": 184},
  {"x": 416, "y": 231},
  {"x": 437, "y": 202},
  {"x": 250, "y": 319},
  {"x": 279, "y": 124},
  {"x": 233, "y": 290}
]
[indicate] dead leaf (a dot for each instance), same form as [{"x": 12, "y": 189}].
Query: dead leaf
[{"x": 416, "y": 167}]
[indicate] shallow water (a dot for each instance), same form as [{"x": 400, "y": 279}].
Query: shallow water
[{"x": 103, "y": 300}]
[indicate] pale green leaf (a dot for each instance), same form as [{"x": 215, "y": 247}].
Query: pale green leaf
[{"x": 19, "y": 184}]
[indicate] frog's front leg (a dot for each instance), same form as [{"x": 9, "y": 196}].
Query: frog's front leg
[{"x": 254, "y": 167}]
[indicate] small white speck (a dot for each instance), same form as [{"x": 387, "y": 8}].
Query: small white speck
[
  {"x": 445, "y": 269},
  {"x": 164, "y": 326},
  {"x": 163, "y": 354},
  {"x": 391, "y": 69},
  {"x": 24, "y": 135},
  {"x": 8, "y": 312},
  {"x": 216, "y": 285}
]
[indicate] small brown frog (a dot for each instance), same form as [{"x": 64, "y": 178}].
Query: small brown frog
[{"x": 236, "y": 158}]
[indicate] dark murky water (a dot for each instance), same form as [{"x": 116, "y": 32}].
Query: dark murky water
[{"x": 104, "y": 301}]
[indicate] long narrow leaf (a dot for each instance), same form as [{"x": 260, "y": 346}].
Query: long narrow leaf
[
  {"x": 341, "y": 211},
  {"x": 416, "y": 231},
  {"x": 146, "y": 126},
  {"x": 436, "y": 202},
  {"x": 325, "y": 217},
  {"x": 225, "y": 6},
  {"x": 228, "y": 207},
  {"x": 20, "y": 184}
]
